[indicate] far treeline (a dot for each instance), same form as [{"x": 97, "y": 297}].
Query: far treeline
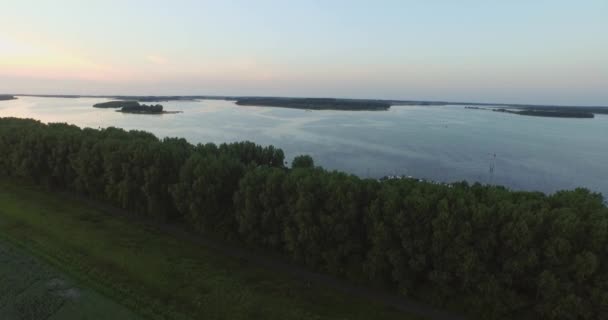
[
  {"x": 316, "y": 103},
  {"x": 486, "y": 250},
  {"x": 551, "y": 114},
  {"x": 6, "y": 97},
  {"x": 594, "y": 110},
  {"x": 117, "y": 104},
  {"x": 541, "y": 113}
]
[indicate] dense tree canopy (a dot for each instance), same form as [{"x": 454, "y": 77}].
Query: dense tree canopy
[
  {"x": 490, "y": 251},
  {"x": 303, "y": 161}
]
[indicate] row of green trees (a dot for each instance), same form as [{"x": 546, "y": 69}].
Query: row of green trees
[{"x": 490, "y": 251}]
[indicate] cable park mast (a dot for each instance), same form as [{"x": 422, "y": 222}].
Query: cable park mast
[{"x": 492, "y": 166}]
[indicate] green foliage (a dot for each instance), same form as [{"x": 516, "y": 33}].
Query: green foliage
[
  {"x": 303, "y": 161},
  {"x": 495, "y": 253},
  {"x": 205, "y": 190}
]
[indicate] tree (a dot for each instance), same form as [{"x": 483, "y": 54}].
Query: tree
[{"x": 303, "y": 161}]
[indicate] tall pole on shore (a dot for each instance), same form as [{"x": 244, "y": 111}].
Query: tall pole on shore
[{"x": 492, "y": 166}]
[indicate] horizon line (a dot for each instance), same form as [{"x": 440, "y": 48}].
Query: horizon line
[{"x": 226, "y": 97}]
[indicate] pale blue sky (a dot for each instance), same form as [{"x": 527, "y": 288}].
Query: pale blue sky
[{"x": 504, "y": 51}]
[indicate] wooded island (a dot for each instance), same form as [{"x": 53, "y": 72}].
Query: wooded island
[
  {"x": 316, "y": 103},
  {"x": 568, "y": 113},
  {"x": 130, "y": 106}
]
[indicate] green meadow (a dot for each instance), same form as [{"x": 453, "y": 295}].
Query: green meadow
[{"x": 32, "y": 290}]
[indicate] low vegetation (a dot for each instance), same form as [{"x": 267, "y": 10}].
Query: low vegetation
[
  {"x": 32, "y": 290},
  {"x": 492, "y": 252}
]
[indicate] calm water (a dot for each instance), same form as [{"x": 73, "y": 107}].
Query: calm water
[{"x": 447, "y": 143}]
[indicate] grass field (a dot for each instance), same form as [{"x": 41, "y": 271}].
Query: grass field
[
  {"x": 148, "y": 271},
  {"x": 32, "y": 290}
]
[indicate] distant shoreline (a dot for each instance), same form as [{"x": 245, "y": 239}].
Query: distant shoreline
[
  {"x": 392, "y": 102},
  {"x": 395, "y": 102},
  {"x": 147, "y": 112},
  {"x": 4, "y": 97},
  {"x": 534, "y": 112},
  {"x": 316, "y": 104}
]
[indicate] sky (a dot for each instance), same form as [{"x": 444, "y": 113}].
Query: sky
[{"x": 518, "y": 51}]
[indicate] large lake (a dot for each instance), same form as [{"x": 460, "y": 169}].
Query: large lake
[{"x": 447, "y": 143}]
